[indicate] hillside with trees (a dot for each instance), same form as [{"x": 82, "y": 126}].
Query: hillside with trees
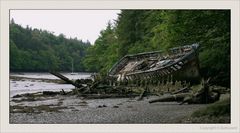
[
  {"x": 40, "y": 50},
  {"x": 149, "y": 30}
]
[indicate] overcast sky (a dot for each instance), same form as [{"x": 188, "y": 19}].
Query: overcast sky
[{"x": 83, "y": 24}]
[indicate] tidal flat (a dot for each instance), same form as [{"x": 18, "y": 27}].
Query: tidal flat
[
  {"x": 76, "y": 110},
  {"x": 30, "y": 104}
]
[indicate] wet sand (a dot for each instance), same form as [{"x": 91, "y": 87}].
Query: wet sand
[{"x": 104, "y": 111}]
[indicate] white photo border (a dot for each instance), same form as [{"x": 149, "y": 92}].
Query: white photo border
[{"x": 7, "y": 5}]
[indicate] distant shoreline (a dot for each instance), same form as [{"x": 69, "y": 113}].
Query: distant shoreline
[
  {"x": 22, "y": 72},
  {"x": 18, "y": 78}
]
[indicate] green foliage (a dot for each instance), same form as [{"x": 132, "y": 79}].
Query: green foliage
[
  {"x": 219, "y": 108},
  {"x": 151, "y": 30},
  {"x": 37, "y": 50},
  {"x": 103, "y": 54}
]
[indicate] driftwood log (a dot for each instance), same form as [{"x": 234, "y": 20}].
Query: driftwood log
[
  {"x": 170, "y": 98},
  {"x": 66, "y": 79},
  {"x": 203, "y": 96}
]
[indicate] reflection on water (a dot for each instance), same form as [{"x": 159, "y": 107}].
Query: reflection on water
[{"x": 34, "y": 85}]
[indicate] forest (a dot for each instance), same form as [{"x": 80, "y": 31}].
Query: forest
[
  {"x": 34, "y": 50},
  {"x": 134, "y": 31}
]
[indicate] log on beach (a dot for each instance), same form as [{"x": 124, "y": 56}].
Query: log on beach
[{"x": 170, "y": 98}]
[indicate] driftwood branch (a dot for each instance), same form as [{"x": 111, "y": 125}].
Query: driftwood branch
[
  {"x": 181, "y": 90},
  {"x": 142, "y": 95}
]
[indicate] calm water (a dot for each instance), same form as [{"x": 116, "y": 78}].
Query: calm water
[
  {"x": 50, "y": 76},
  {"x": 31, "y": 86}
]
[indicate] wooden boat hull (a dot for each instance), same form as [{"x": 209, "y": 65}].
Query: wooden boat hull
[{"x": 183, "y": 68}]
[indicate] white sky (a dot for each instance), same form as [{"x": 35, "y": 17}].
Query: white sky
[{"x": 83, "y": 24}]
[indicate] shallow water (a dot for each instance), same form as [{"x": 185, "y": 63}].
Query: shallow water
[
  {"x": 79, "y": 75},
  {"x": 34, "y": 85}
]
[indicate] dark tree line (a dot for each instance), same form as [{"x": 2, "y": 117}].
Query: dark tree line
[
  {"x": 40, "y": 50},
  {"x": 150, "y": 30}
]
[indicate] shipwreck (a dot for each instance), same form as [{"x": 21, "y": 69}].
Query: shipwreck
[
  {"x": 171, "y": 72},
  {"x": 177, "y": 64}
]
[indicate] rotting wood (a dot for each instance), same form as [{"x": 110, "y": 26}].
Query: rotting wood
[
  {"x": 185, "y": 89},
  {"x": 149, "y": 65},
  {"x": 163, "y": 73},
  {"x": 170, "y": 98},
  {"x": 142, "y": 95},
  {"x": 65, "y": 79},
  {"x": 203, "y": 96},
  {"x": 64, "y": 93}
]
